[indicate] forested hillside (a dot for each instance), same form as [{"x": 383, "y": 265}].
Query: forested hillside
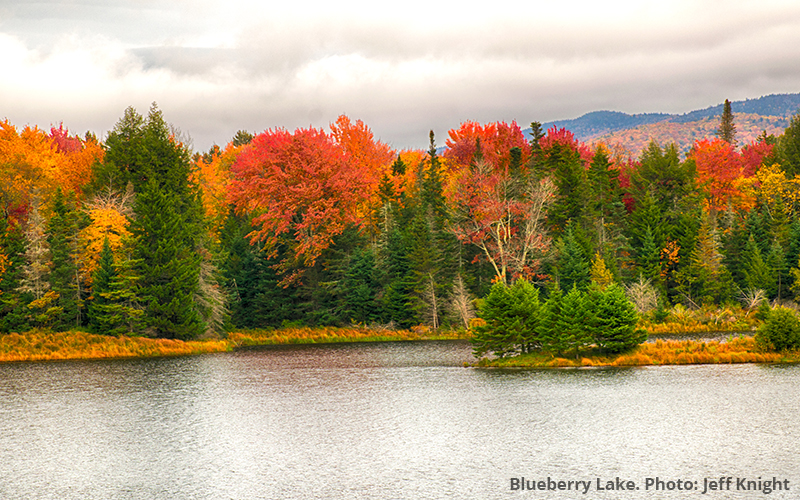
[
  {"x": 136, "y": 234},
  {"x": 633, "y": 132}
]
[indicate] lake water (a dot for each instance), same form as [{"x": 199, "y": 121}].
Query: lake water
[{"x": 387, "y": 421}]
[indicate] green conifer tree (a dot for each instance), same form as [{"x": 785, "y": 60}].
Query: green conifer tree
[
  {"x": 65, "y": 280},
  {"x": 573, "y": 264},
  {"x": 573, "y": 324},
  {"x": 727, "y": 129},
  {"x": 613, "y": 320}
]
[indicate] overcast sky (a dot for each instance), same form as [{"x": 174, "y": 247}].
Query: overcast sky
[{"x": 404, "y": 67}]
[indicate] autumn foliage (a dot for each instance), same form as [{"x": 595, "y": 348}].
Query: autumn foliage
[{"x": 305, "y": 187}]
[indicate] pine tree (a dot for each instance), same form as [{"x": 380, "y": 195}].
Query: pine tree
[
  {"x": 525, "y": 305},
  {"x": 499, "y": 330},
  {"x": 573, "y": 325},
  {"x": 613, "y": 320},
  {"x": 757, "y": 275},
  {"x": 65, "y": 279},
  {"x": 104, "y": 275},
  {"x": 727, "y": 129},
  {"x": 573, "y": 264},
  {"x": 549, "y": 331},
  {"x": 779, "y": 271}
]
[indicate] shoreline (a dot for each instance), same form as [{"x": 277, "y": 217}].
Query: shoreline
[{"x": 43, "y": 345}]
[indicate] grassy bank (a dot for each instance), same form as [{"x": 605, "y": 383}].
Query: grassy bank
[
  {"x": 37, "y": 345},
  {"x": 671, "y": 352}
]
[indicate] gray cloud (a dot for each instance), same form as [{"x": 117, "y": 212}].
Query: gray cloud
[{"x": 216, "y": 67}]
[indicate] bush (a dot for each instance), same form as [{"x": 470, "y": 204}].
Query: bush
[{"x": 780, "y": 331}]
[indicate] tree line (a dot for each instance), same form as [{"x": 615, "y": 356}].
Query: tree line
[{"x": 137, "y": 234}]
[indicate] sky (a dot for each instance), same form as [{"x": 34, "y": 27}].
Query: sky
[{"x": 214, "y": 67}]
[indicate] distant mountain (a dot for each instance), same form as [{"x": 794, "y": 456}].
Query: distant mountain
[{"x": 769, "y": 113}]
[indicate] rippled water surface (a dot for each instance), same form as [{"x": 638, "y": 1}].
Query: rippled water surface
[{"x": 385, "y": 421}]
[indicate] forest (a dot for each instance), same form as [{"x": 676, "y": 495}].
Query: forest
[{"x": 136, "y": 234}]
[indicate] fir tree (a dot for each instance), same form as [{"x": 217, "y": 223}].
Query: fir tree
[
  {"x": 549, "y": 331},
  {"x": 573, "y": 325},
  {"x": 499, "y": 330},
  {"x": 65, "y": 280},
  {"x": 727, "y": 129},
  {"x": 757, "y": 275},
  {"x": 613, "y": 320},
  {"x": 573, "y": 264}
]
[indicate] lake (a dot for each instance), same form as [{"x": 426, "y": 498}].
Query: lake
[{"x": 392, "y": 420}]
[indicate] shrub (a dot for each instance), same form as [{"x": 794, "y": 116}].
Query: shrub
[{"x": 780, "y": 331}]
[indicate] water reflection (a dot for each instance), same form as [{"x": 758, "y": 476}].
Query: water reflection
[{"x": 384, "y": 420}]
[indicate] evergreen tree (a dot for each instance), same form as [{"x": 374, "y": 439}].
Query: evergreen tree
[
  {"x": 757, "y": 275},
  {"x": 779, "y": 271},
  {"x": 525, "y": 305},
  {"x": 13, "y": 302},
  {"x": 648, "y": 258},
  {"x": 549, "y": 330},
  {"x": 573, "y": 263},
  {"x": 613, "y": 320},
  {"x": 167, "y": 224},
  {"x": 780, "y": 331},
  {"x": 573, "y": 324},
  {"x": 705, "y": 278},
  {"x": 570, "y": 179},
  {"x": 789, "y": 147},
  {"x": 727, "y": 129},
  {"x": 499, "y": 330},
  {"x": 99, "y": 303},
  {"x": 65, "y": 280},
  {"x": 359, "y": 289}
]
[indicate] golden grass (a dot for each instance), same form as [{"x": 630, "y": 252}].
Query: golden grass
[
  {"x": 36, "y": 345},
  {"x": 670, "y": 352}
]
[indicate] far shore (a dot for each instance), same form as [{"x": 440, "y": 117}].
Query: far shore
[{"x": 44, "y": 345}]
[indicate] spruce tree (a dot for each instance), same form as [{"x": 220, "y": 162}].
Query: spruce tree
[
  {"x": 167, "y": 224},
  {"x": 500, "y": 329},
  {"x": 727, "y": 129},
  {"x": 525, "y": 306},
  {"x": 573, "y": 325},
  {"x": 99, "y": 319},
  {"x": 757, "y": 274},
  {"x": 573, "y": 264},
  {"x": 13, "y": 302},
  {"x": 65, "y": 280},
  {"x": 789, "y": 147},
  {"x": 613, "y": 320},
  {"x": 549, "y": 331}
]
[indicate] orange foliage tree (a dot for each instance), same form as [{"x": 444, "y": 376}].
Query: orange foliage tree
[
  {"x": 304, "y": 189},
  {"x": 213, "y": 175},
  {"x": 726, "y": 172},
  {"x": 32, "y": 160}
]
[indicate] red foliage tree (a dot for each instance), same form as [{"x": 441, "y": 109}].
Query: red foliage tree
[
  {"x": 304, "y": 189},
  {"x": 496, "y": 141}
]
